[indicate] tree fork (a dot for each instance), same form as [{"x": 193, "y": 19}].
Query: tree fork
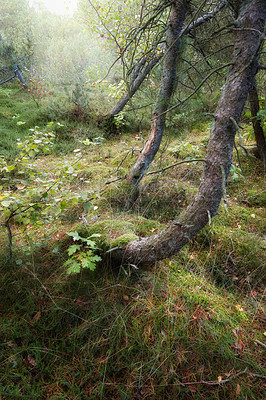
[{"x": 204, "y": 206}]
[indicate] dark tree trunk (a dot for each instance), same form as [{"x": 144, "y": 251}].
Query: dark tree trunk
[
  {"x": 17, "y": 71},
  {"x": 204, "y": 206},
  {"x": 167, "y": 87},
  {"x": 256, "y": 122}
]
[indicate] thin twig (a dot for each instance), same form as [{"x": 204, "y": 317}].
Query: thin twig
[
  {"x": 261, "y": 343},
  {"x": 174, "y": 165}
]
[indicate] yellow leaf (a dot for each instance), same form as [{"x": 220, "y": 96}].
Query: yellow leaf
[
  {"x": 2, "y": 196},
  {"x": 239, "y": 308},
  {"x": 220, "y": 378}
]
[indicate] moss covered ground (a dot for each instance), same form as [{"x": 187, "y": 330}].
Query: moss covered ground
[{"x": 190, "y": 327}]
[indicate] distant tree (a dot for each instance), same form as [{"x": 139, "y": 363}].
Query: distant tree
[{"x": 256, "y": 121}]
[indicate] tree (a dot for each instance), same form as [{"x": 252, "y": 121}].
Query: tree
[
  {"x": 143, "y": 68},
  {"x": 249, "y": 31},
  {"x": 166, "y": 90},
  {"x": 256, "y": 121}
]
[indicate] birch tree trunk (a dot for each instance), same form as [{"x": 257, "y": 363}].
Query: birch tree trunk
[{"x": 204, "y": 206}]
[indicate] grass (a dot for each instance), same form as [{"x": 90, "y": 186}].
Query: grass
[{"x": 190, "y": 327}]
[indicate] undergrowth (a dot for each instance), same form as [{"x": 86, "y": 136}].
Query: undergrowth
[{"x": 191, "y": 327}]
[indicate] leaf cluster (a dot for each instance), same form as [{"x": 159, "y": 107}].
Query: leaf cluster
[{"x": 82, "y": 255}]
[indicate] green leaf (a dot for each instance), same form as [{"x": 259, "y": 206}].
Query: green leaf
[
  {"x": 90, "y": 243},
  {"x": 97, "y": 258},
  {"x": 69, "y": 170},
  {"x": 75, "y": 236},
  {"x": 72, "y": 249},
  {"x": 74, "y": 268},
  {"x": 6, "y": 203},
  {"x": 88, "y": 263},
  {"x": 63, "y": 205},
  {"x": 87, "y": 206}
]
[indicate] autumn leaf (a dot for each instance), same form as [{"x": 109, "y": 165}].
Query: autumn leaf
[
  {"x": 36, "y": 316},
  {"x": 238, "y": 389}
]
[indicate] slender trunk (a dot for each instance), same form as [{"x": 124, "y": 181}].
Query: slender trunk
[
  {"x": 256, "y": 122},
  {"x": 135, "y": 83},
  {"x": 167, "y": 87},
  {"x": 205, "y": 204},
  {"x": 17, "y": 71}
]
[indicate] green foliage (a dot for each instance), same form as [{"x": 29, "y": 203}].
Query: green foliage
[
  {"x": 81, "y": 255},
  {"x": 30, "y": 196},
  {"x": 236, "y": 172},
  {"x": 261, "y": 116},
  {"x": 187, "y": 150}
]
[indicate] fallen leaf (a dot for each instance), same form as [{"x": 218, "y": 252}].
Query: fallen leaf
[
  {"x": 238, "y": 389},
  {"x": 36, "y": 316},
  {"x": 193, "y": 388},
  {"x": 239, "y": 308},
  {"x": 220, "y": 378},
  {"x": 20, "y": 186},
  {"x": 125, "y": 297},
  {"x": 253, "y": 215},
  {"x": 32, "y": 361},
  {"x": 239, "y": 345}
]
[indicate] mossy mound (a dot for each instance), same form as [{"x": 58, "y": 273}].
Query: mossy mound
[{"x": 112, "y": 233}]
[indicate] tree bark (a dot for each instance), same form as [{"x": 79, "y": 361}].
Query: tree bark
[
  {"x": 256, "y": 122},
  {"x": 167, "y": 87},
  {"x": 204, "y": 206}
]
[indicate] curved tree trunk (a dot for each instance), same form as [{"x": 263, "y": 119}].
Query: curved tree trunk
[
  {"x": 167, "y": 87},
  {"x": 204, "y": 206},
  {"x": 256, "y": 122}
]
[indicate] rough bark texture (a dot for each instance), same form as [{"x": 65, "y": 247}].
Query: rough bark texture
[
  {"x": 205, "y": 204},
  {"x": 257, "y": 126},
  {"x": 167, "y": 86}
]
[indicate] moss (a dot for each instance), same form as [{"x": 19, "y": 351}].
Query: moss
[
  {"x": 123, "y": 240},
  {"x": 145, "y": 226},
  {"x": 256, "y": 198},
  {"x": 110, "y": 231},
  {"x": 233, "y": 256}
]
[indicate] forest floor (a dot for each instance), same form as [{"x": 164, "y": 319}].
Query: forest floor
[{"x": 190, "y": 327}]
